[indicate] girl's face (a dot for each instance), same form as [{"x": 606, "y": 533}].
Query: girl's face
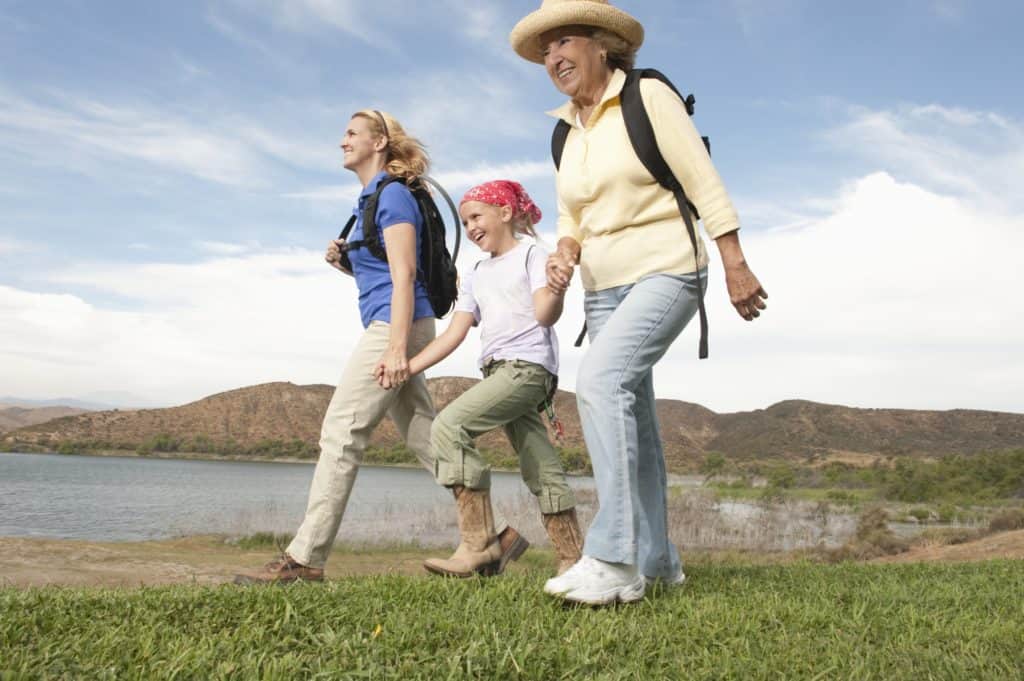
[
  {"x": 489, "y": 227},
  {"x": 573, "y": 61},
  {"x": 359, "y": 144}
]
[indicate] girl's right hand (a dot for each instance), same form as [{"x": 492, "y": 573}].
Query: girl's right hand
[{"x": 333, "y": 255}]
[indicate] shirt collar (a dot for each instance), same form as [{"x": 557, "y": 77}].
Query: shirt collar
[
  {"x": 568, "y": 111},
  {"x": 372, "y": 185}
]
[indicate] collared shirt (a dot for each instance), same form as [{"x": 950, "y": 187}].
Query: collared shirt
[
  {"x": 373, "y": 276},
  {"x": 627, "y": 224}
]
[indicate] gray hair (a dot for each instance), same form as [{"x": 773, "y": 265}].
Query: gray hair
[{"x": 621, "y": 53}]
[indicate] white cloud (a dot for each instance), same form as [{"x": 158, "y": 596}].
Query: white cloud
[
  {"x": 970, "y": 154},
  {"x": 334, "y": 193},
  {"x": 194, "y": 329},
  {"x": 754, "y": 15},
  {"x": 898, "y": 291},
  {"x": 949, "y": 10},
  {"x": 189, "y": 69},
  {"x": 11, "y": 245},
  {"x": 104, "y": 132},
  {"x": 229, "y": 150},
  {"x": 520, "y": 171},
  {"x": 304, "y": 16},
  {"x": 452, "y": 181},
  {"x": 902, "y": 295},
  {"x": 220, "y": 248}
]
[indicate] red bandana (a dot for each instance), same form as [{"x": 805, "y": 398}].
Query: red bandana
[{"x": 505, "y": 193}]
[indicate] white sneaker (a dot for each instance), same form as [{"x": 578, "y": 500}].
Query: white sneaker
[
  {"x": 567, "y": 581},
  {"x": 596, "y": 582},
  {"x": 677, "y": 580}
]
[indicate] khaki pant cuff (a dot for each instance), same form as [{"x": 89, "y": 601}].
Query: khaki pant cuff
[
  {"x": 449, "y": 475},
  {"x": 555, "y": 503}
]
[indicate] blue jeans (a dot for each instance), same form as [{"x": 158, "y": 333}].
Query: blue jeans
[{"x": 630, "y": 328}]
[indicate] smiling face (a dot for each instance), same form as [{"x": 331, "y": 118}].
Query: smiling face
[
  {"x": 575, "y": 62},
  {"x": 489, "y": 227},
  {"x": 360, "y": 145}
]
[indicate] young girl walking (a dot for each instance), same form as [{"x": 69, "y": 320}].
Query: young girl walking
[{"x": 507, "y": 296}]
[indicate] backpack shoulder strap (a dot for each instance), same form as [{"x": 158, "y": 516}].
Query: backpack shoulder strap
[
  {"x": 641, "y": 136},
  {"x": 641, "y": 131},
  {"x": 558, "y": 137},
  {"x": 372, "y": 239}
]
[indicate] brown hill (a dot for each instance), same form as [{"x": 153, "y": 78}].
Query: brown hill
[
  {"x": 795, "y": 430},
  {"x": 12, "y": 418}
]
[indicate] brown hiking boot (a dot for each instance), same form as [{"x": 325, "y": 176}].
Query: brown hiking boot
[
  {"x": 479, "y": 546},
  {"x": 512, "y": 545},
  {"x": 564, "y": 531},
  {"x": 283, "y": 570}
]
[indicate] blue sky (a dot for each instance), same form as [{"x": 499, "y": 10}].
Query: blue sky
[{"x": 169, "y": 175}]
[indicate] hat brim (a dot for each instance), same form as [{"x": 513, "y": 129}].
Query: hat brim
[{"x": 525, "y": 37}]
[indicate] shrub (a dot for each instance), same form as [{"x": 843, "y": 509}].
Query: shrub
[
  {"x": 1010, "y": 519},
  {"x": 872, "y": 539},
  {"x": 781, "y": 476},
  {"x": 840, "y": 496},
  {"x": 263, "y": 540},
  {"x": 68, "y": 448},
  {"x": 713, "y": 465},
  {"x": 575, "y": 460},
  {"x": 921, "y": 515}
]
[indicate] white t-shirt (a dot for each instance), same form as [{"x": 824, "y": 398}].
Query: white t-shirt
[{"x": 498, "y": 292}]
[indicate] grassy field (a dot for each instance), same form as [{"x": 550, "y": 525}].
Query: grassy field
[{"x": 730, "y": 621}]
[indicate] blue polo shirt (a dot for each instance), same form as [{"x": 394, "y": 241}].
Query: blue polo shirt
[{"x": 373, "y": 276}]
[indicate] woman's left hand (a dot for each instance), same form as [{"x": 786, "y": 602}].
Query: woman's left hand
[
  {"x": 745, "y": 292},
  {"x": 393, "y": 369}
]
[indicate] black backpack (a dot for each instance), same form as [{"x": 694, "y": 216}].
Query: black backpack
[
  {"x": 436, "y": 268},
  {"x": 641, "y": 136}
]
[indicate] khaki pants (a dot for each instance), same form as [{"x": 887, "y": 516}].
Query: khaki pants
[
  {"x": 508, "y": 396},
  {"x": 358, "y": 405}
]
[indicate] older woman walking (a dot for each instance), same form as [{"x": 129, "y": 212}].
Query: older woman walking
[{"x": 642, "y": 278}]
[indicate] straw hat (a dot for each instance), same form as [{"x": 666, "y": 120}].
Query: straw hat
[{"x": 554, "y": 13}]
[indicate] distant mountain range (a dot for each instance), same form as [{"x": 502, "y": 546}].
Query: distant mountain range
[
  {"x": 96, "y": 401},
  {"x": 793, "y": 430},
  {"x": 13, "y": 417}
]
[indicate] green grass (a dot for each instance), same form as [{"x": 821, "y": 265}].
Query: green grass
[{"x": 798, "y": 621}]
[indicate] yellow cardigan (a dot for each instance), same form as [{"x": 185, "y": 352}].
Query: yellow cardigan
[{"x": 627, "y": 224}]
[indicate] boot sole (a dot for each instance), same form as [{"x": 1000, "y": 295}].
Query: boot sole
[
  {"x": 435, "y": 570},
  {"x": 517, "y": 549}
]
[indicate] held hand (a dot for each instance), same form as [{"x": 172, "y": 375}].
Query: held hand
[
  {"x": 395, "y": 367},
  {"x": 559, "y": 269},
  {"x": 745, "y": 291},
  {"x": 378, "y": 373}
]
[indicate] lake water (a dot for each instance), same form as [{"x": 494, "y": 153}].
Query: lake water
[
  {"x": 132, "y": 499},
  {"x": 126, "y": 499}
]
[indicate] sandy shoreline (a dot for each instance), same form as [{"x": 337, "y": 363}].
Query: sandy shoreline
[{"x": 202, "y": 560}]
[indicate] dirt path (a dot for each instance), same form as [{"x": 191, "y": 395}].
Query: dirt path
[
  {"x": 193, "y": 560},
  {"x": 26, "y": 562},
  {"x": 1001, "y": 545}
]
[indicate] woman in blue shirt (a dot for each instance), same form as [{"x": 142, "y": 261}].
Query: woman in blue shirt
[{"x": 398, "y": 321}]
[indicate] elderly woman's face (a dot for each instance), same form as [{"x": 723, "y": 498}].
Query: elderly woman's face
[{"x": 574, "y": 61}]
